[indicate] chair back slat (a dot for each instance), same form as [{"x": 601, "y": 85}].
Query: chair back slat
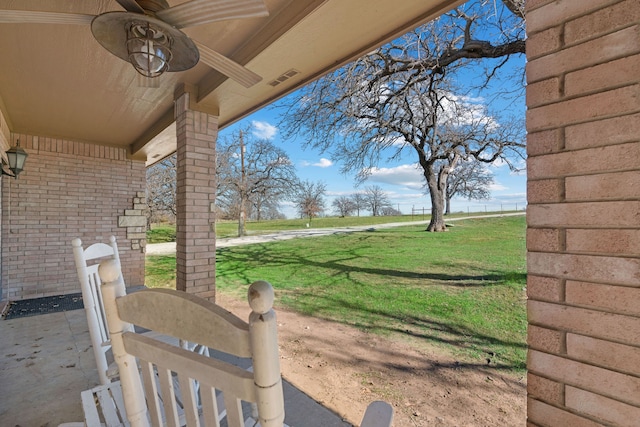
[
  {"x": 224, "y": 376},
  {"x": 150, "y": 382},
  {"x": 97, "y": 306},
  {"x": 189, "y": 400},
  {"x": 211, "y": 410},
  {"x": 98, "y": 250},
  {"x": 177, "y": 406},
  {"x": 168, "y": 396},
  {"x": 234, "y": 410},
  {"x": 182, "y": 317}
]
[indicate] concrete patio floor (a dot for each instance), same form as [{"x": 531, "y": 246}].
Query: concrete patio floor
[{"x": 46, "y": 361}]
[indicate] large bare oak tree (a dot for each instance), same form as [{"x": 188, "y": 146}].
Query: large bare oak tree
[
  {"x": 408, "y": 96},
  {"x": 253, "y": 175}
]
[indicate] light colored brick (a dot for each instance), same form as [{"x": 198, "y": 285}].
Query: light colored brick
[
  {"x": 68, "y": 189},
  {"x": 594, "y": 323},
  {"x": 534, "y": 4},
  {"x": 546, "y": 415},
  {"x": 545, "y": 190},
  {"x": 544, "y": 142},
  {"x": 602, "y": 21},
  {"x": 544, "y": 240},
  {"x": 611, "y": 186},
  {"x": 587, "y": 108},
  {"x": 585, "y": 215},
  {"x": 543, "y": 92},
  {"x": 608, "y": 410},
  {"x": 544, "y": 42},
  {"x": 547, "y": 340},
  {"x": 196, "y": 134},
  {"x": 607, "y": 354},
  {"x": 613, "y": 242},
  {"x": 545, "y": 390},
  {"x": 616, "y": 385},
  {"x": 599, "y": 78},
  {"x": 557, "y": 12},
  {"x": 545, "y": 288},
  {"x": 613, "y": 46},
  {"x": 615, "y": 299},
  {"x": 131, "y": 221}
]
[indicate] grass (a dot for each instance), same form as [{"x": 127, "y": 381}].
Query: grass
[
  {"x": 160, "y": 233},
  {"x": 463, "y": 289}
]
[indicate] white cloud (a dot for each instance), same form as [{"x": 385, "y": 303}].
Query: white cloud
[
  {"x": 498, "y": 163},
  {"x": 322, "y": 163},
  {"x": 264, "y": 130},
  {"x": 405, "y": 175}
]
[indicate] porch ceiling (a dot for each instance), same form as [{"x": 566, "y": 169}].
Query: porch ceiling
[{"x": 57, "y": 81}]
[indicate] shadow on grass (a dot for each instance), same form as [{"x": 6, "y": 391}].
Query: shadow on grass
[
  {"x": 420, "y": 327},
  {"x": 259, "y": 254},
  {"x": 317, "y": 301},
  {"x": 240, "y": 263}
]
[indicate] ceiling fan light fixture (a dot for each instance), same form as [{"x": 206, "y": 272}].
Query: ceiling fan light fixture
[
  {"x": 149, "y": 44},
  {"x": 149, "y": 48}
]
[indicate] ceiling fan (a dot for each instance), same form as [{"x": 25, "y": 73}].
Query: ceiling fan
[{"x": 147, "y": 33}]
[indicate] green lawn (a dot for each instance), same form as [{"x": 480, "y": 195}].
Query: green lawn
[
  {"x": 463, "y": 289},
  {"x": 166, "y": 232}
]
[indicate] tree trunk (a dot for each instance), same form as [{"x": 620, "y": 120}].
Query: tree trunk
[
  {"x": 437, "y": 183},
  {"x": 242, "y": 217},
  {"x": 447, "y": 210},
  {"x": 243, "y": 184},
  {"x": 437, "y": 205}
]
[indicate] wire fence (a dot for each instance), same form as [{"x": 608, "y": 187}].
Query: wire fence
[{"x": 424, "y": 211}]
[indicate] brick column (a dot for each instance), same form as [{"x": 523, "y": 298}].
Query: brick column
[
  {"x": 195, "y": 232},
  {"x": 583, "y": 236}
]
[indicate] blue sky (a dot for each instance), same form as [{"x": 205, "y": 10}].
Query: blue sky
[{"x": 402, "y": 180}]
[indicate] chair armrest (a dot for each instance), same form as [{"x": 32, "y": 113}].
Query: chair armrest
[{"x": 378, "y": 414}]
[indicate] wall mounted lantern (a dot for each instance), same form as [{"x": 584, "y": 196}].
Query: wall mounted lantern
[{"x": 16, "y": 157}]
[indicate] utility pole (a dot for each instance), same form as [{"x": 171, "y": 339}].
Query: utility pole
[{"x": 243, "y": 190}]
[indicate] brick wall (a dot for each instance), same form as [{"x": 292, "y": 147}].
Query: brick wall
[
  {"x": 583, "y": 216},
  {"x": 196, "y": 134},
  {"x": 68, "y": 189}
]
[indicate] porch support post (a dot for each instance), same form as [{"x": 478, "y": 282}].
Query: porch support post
[{"x": 196, "y": 133}]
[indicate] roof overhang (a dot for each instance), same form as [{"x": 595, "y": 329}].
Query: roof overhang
[{"x": 57, "y": 81}]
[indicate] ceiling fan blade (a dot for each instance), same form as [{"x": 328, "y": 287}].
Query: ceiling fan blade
[
  {"x": 131, "y": 6},
  {"x": 198, "y": 12},
  {"x": 226, "y": 66},
  {"x": 29, "y": 16}
]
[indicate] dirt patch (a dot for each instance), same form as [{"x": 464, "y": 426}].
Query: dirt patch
[{"x": 345, "y": 368}]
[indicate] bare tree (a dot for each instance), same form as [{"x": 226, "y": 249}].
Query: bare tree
[
  {"x": 390, "y": 211},
  {"x": 250, "y": 171},
  {"x": 359, "y": 202},
  {"x": 470, "y": 179},
  {"x": 161, "y": 190},
  {"x": 309, "y": 199},
  {"x": 403, "y": 97},
  {"x": 376, "y": 199},
  {"x": 343, "y": 205}
]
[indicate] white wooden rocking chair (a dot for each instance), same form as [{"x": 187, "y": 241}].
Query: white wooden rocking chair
[
  {"x": 87, "y": 261},
  {"x": 148, "y": 393},
  {"x": 149, "y": 401},
  {"x": 87, "y": 267}
]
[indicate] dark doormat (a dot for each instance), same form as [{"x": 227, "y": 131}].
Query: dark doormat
[{"x": 36, "y": 306}]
